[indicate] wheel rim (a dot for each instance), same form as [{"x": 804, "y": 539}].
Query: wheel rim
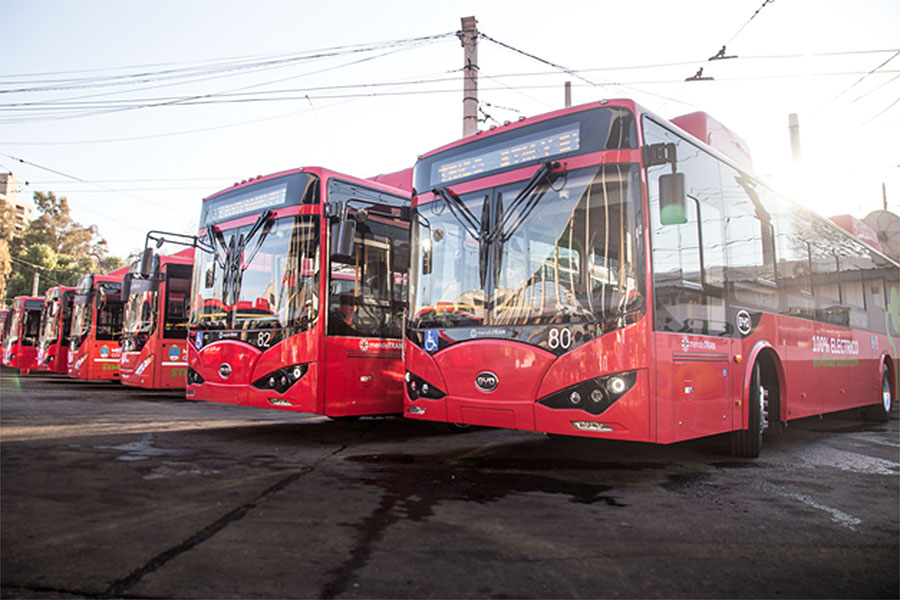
[
  {"x": 886, "y": 392},
  {"x": 762, "y": 396}
]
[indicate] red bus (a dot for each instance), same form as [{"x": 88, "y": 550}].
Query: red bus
[
  {"x": 300, "y": 281},
  {"x": 20, "y": 333},
  {"x": 4, "y": 313},
  {"x": 598, "y": 271},
  {"x": 56, "y": 322},
  {"x": 97, "y": 312},
  {"x": 155, "y": 322}
]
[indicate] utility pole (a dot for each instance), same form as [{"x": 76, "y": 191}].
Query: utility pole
[
  {"x": 469, "y": 38},
  {"x": 568, "y": 94},
  {"x": 794, "y": 126}
]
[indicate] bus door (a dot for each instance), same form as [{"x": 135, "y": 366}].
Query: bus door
[
  {"x": 696, "y": 376},
  {"x": 173, "y": 326},
  {"x": 364, "y": 370}
]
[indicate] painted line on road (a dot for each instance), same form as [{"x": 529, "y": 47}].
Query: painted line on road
[{"x": 838, "y": 516}]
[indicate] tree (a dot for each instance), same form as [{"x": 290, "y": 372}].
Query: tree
[
  {"x": 5, "y": 266},
  {"x": 54, "y": 245},
  {"x": 56, "y": 228}
]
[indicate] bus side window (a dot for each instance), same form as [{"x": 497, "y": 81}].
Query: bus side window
[
  {"x": 688, "y": 253},
  {"x": 794, "y": 270},
  {"x": 750, "y": 247},
  {"x": 826, "y": 287}
]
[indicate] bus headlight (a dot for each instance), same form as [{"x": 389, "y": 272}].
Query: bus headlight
[
  {"x": 416, "y": 388},
  {"x": 282, "y": 379},
  {"x": 194, "y": 378},
  {"x": 593, "y": 395},
  {"x": 143, "y": 366}
]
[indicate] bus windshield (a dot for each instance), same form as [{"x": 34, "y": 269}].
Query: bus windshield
[
  {"x": 270, "y": 282},
  {"x": 569, "y": 251},
  {"x": 54, "y": 312},
  {"x": 141, "y": 309}
]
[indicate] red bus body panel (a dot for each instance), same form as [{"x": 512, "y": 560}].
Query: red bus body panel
[
  {"x": 167, "y": 357},
  {"x": 55, "y": 358},
  {"x": 687, "y": 386},
  {"x": 19, "y": 354},
  {"x": 345, "y": 376},
  {"x": 96, "y": 360}
]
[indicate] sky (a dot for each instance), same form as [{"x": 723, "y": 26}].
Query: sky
[{"x": 137, "y": 110}]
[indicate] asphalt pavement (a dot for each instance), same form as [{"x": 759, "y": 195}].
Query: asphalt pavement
[{"x": 108, "y": 492}]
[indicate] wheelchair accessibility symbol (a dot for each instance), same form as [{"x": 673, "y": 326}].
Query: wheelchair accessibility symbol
[{"x": 431, "y": 340}]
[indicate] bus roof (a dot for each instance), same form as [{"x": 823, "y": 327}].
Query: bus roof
[
  {"x": 523, "y": 121},
  {"x": 399, "y": 179},
  {"x": 324, "y": 173},
  {"x": 716, "y": 135}
]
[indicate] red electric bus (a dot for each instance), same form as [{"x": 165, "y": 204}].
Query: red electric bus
[
  {"x": 56, "y": 322},
  {"x": 155, "y": 322},
  {"x": 300, "y": 280},
  {"x": 20, "y": 333},
  {"x": 3, "y": 314},
  {"x": 598, "y": 271},
  {"x": 97, "y": 312}
]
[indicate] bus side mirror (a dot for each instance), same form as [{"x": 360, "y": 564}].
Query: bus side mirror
[
  {"x": 147, "y": 263},
  {"x": 343, "y": 236},
  {"x": 672, "y": 201},
  {"x": 126, "y": 285}
]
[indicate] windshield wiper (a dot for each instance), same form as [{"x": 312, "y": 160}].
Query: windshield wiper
[
  {"x": 459, "y": 210},
  {"x": 236, "y": 263},
  {"x": 532, "y": 201}
]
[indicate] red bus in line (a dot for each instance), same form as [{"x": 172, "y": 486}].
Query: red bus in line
[
  {"x": 300, "y": 280},
  {"x": 3, "y": 314},
  {"x": 20, "y": 333},
  {"x": 56, "y": 322},
  {"x": 155, "y": 322},
  {"x": 598, "y": 271},
  {"x": 97, "y": 312}
]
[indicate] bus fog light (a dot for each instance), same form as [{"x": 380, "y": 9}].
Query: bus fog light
[
  {"x": 417, "y": 410},
  {"x": 279, "y": 402},
  {"x": 590, "y": 426},
  {"x": 617, "y": 385}
]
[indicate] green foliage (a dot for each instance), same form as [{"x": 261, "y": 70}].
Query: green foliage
[{"x": 54, "y": 245}]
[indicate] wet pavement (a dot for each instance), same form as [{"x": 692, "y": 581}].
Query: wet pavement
[{"x": 106, "y": 491}]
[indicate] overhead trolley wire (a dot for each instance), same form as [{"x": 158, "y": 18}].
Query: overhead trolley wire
[{"x": 226, "y": 68}]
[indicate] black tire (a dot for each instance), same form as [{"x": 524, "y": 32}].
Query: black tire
[
  {"x": 747, "y": 443},
  {"x": 881, "y": 412},
  {"x": 453, "y": 427}
]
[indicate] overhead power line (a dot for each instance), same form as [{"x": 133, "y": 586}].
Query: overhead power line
[
  {"x": 214, "y": 69},
  {"x": 79, "y": 179}
]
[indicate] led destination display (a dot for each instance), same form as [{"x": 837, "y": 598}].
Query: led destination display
[{"x": 523, "y": 150}]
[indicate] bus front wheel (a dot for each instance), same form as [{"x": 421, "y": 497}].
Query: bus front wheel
[{"x": 747, "y": 443}]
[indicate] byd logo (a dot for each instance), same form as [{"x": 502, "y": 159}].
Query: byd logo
[{"x": 486, "y": 381}]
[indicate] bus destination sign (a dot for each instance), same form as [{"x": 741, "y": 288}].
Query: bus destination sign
[
  {"x": 255, "y": 201},
  {"x": 500, "y": 156}
]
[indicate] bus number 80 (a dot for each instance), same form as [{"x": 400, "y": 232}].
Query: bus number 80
[{"x": 560, "y": 339}]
